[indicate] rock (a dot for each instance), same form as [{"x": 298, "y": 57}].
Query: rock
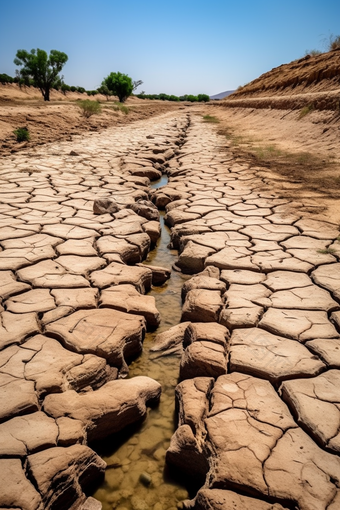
[
  {"x": 262, "y": 354},
  {"x": 92, "y": 504},
  {"x": 202, "y": 306},
  {"x": 109, "y": 409},
  {"x": 159, "y": 274},
  {"x": 50, "y": 274},
  {"x": 36, "y": 300},
  {"x": 146, "y": 209},
  {"x": 145, "y": 479},
  {"x": 197, "y": 332},
  {"x": 15, "y": 327},
  {"x": 327, "y": 350},
  {"x": 192, "y": 258},
  {"x": 110, "y": 334},
  {"x": 76, "y": 298},
  {"x": 202, "y": 281},
  {"x": 17, "y": 397},
  {"x": 27, "y": 434},
  {"x": 170, "y": 338},
  {"x": 203, "y": 359},
  {"x": 127, "y": 299},
  {"x": 62, "y": 474},
  {"x": 315, "y": 402},
  {"x": 186, "y": 455},
  {"x": 327, "y": 276},
  {"x": 300, "y": 325},
  {"x": 116, "y": 274},
  {"x": 16, "y": 491},
  {"x": 210, "y": 499},
  {"x": 105, "y": 205},
  {"x": 129, "y": 253},
  {"x": 192, "y": 397},
  {"x": 242, "y": 276},
  {"x": 153, "y": 230},
  {"x": 9, "y": 285},
  {"x": 70, "y": 431}
]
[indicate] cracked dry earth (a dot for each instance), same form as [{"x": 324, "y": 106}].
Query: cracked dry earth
[{"x": 259, "y": 345}]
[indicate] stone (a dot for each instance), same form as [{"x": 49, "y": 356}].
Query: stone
[
  {"x": 153, "y": 230},
  {"x": 242, "y": 277},
  {"x": 9, "y": 285},
  {"x": 203, "y": 359},
  {"x": 15, "y": 327},
  {"x": 196, "y": 332},
  {"x": 76, "y": 298},
  {"x": 129, "y": 253},
  {"x": 304, "y": 298},
  {"x": 192, "y": 258},
  {"x": 210, "y": 499},
  {"x": 17, "y": 397},
  {"x": 83, "y": 247},
  {"x": 202, "y": 306},
  {"x": 328, "y": 276},
  {"x": 50, "y": 274},
  {"x": 36, "y": 300},
  {"x": 55, "y": 369},
  {"x": 285, "y": 280},
  {"x": 109, "y": 409},
  {"x": 110, "y": 334},
  {"x": 259, "y": 353},
  {"x": 316, "y": 404},
  {"x": 16, "y": 491},
  {"x": 105, "y": 205},
  {"x": 300, "y": 325},
  {"x": 327, "y": 350},
  {"x": 27, "y": 434},
  {"x": 145, "y": 209},
  {"x": 127, "y": 299},
  {"x": 159, "y": 274},
  {"x": 75, "y": 264},
  {"x": 244, "y": 317},
  {"x": 171, "y": 338},
  {"x": 70, "y": 431},
  {"x": 202, "y": 281},
  {"x": 117, "y": 274},
  {"x": 238, "y": 257},
  {"x": 62, "y": 474}
]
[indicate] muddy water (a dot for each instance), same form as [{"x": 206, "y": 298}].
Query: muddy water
[{"x": 136, "y": 477}]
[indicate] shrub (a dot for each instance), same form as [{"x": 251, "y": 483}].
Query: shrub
[
  {"x": 89, "y": 108},
  {"x": 305, "y": 110},
  {"x": 334, "y": 42},
  {"x": 22, "y": 134},
  {"x": 81, "y": 90},
  {"x": 5, "y": 78},
  {"x": 119, "y": 106},
  {"x": 210, "y": 118},
  {"x": 203, "y": 98}
]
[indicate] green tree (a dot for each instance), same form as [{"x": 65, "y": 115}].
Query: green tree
[
  {"x": 42, "y": 69},
  {"x": 119, "y": 84}
]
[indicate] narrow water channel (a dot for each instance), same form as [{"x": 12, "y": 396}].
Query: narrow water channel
[{"x": 136, "y": 477}]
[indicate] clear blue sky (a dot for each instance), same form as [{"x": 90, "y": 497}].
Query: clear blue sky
[{"x": 176, "y": 47}]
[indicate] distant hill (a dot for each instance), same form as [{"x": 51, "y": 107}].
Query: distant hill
[{"x": 222, "y": 95}]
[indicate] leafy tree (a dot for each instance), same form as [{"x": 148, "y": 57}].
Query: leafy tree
[
  {"x": 120, "y": 85},
  {"x": 44, "y": 70}
]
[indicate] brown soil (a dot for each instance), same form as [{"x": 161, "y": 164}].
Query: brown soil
[{"x": 61, "y": 117}]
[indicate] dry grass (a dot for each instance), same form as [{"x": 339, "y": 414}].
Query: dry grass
[{"x": 308, "y": 169}]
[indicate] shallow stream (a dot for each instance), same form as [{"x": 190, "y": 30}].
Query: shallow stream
[{"x": 136, "y": 477}]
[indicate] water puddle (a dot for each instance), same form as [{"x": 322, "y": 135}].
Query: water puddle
[{"x": 136, "y": 477}]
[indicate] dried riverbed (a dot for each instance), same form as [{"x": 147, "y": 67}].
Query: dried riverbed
[{"x": 258, "y": 405}]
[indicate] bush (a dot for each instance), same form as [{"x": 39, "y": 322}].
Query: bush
[
  {"x": 81, "y": 90},
  {"x": 89, "y": 108},
  {"x": 124, "y": 109},
  {"x": 4, "y": 78},
  {"x": 22, "y": 134},
  {"x": 334, "y": 42},
  {"x": 203, "y": 98}
]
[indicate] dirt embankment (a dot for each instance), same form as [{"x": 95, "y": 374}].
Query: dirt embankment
[
  {"x": 311, "y": 80},
  {"x": 61, "y": 117}
]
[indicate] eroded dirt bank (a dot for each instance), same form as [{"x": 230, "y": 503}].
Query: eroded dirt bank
[{"x": 258, "y": 342}]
